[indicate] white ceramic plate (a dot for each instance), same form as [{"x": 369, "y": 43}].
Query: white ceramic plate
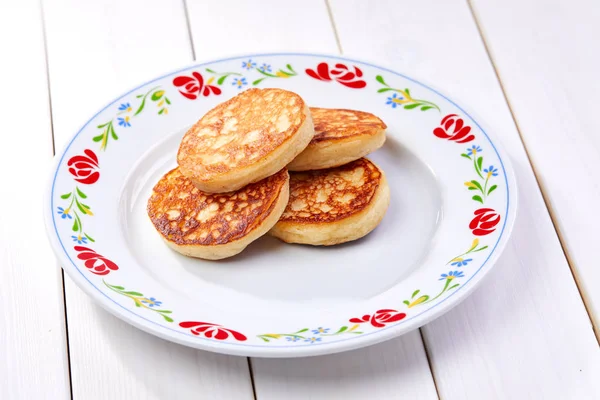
[{"x": 452, "y": 210}]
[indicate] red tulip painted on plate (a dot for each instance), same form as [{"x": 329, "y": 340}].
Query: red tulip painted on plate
[
  {"x": 211, "y": 331},
  {"x": 485, "y": 222},
  {"x": 95, "y": 262},
  {"x": 194, "y": 86},
  {"x": 341, "y": 73},
  {"x": 84, "y": 167},
  {"x": 454, "y": 128},
  {"x": 380, "y": 318}
]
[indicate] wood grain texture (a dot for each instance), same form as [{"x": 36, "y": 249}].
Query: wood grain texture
[
  {"x": 548, "y": 63},
  {"x": 95, "y": 51},
  {"x": 33, "y": 345},
  {"x": 525, "y": 332},
  {"x": 376, "y": 372}
]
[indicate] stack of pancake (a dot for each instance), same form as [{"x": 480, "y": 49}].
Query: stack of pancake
[{"x": 232, "y": 183}]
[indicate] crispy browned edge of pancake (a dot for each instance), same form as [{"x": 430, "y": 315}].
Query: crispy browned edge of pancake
[
  {"x": 376, "y": 128},
  {"x": 161, "y": 222},
  {"x": 313, "y": 219},
  {"x": 224, "y": 104}
]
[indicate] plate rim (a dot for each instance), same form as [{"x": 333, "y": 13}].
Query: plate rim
[{"x": 384, "y": 334}]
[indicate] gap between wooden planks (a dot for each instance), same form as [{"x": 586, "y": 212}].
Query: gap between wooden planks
[
  {"x": 550, "y": 43},
  {"x": 33, "y": 361}
]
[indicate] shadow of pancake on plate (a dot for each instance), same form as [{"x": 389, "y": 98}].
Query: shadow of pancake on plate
[
  {"x": 333, "y": 206},
  {"x": 341, "y": 136},
  {"x": 215, "y": 226}
]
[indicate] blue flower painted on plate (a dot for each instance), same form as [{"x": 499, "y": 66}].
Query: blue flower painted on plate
[
  {"x": 124, "y": 121},
  {"x": 320, "y": 330},
  {"x": 451, "y": 275},
  {"x": 125, "y": 107},
  {"x": 312, "y": 339},
  {"x": 64, "y": 213},
  {"x": 152, "y": 302},
  {"x": 461, "y": 262},
  {"x": 265, "y": 68},
  {"x": 491, "y": 171},
  {"x": 474, "y": 150},
  {"x": 292, "y": 338},
  {"x": 239, "y": 82},
  {"x": 248, "y": 64},
  {"x": 79, "y": 239},
  {"x": 395, "y": 100}
]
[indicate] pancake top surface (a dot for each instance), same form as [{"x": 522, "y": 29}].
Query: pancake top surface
[
  {"x": 330, "y": 195},
  {"x": 333, "y": 123},
  {"x": 240, "y": 131},
  {"x": 187, "y": 216}
]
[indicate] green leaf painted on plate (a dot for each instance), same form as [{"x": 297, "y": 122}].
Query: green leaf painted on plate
[
  {"x": 342, "y": 329},
  {"x": 157, "y": 95},
  {"x": 479, "y": 249},
  {"x": 406, "y": 302},
  {"x": 411, "y": 106},
  {"x": 65, "y": 196},
  {"x": 221, "y": 79},
  {"x": 98, "y": 138},
  {"x": 465, "y": 156},
  {"x": 81, "y": 194},
  {"x": 134, "y": 293},
  {"x": 302, "y": 330},
  {"x": 379, "y": 79},
  {"x": 168, "y": 319},
  {"x": 478, "y": 198},
  {"x": 384, "y": 90},
  {"x": 89, "y": 237},
  {"x": 256, "y": 82},
  {"x": 167, "y": 100},
  {"x": 416, "y": 292},
  {"x": 75, "y": 225},
  {"x": 407, "y": 91},
  {"x": 492, "y": 189},
  {"x": 425, "y": 108},
  {"x": 474, "y": 182},
  {"x": 210, "y": 70},
  {"x": 479, "y": 162}
]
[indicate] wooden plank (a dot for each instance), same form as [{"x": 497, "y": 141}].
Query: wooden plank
[
  {"x": 95, "y": 51},
  {"x": 391, "y": 370},
  {"x": 33, "y": 341},
  {"x": 550, "y": 82},
  {"x": 525, "y": 333}
]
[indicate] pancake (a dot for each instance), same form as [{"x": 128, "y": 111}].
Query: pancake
[
  {"x": 215, "y": 226},
  {"x": 333, "y": 206},
  {"x": 245, "y": 139},
  {"x": 341, "y": 136}
]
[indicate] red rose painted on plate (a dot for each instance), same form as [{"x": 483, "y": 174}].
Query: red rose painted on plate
[
  {"x": 194, "y": 86},
  {"x": 95, "y": 262},
  {"x": 84, "y": 167},
  {"x": 454, "y": 128},
  {"x": 380, "y": 318},
  {"x": 212, "y": 331},
  {"x": 340, "y": 73},
  {"x": 485, "y": 222}
]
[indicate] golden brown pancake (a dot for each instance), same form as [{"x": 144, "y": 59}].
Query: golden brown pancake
[
  {"x": 341, "y": 136},
  {"x": 245, "y": 139},
  {"x": 335, "y": 205},
  {"x": 215, "y": 226}
]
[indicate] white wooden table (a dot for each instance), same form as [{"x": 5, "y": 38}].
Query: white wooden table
[{"x": 529, "y": 68}]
